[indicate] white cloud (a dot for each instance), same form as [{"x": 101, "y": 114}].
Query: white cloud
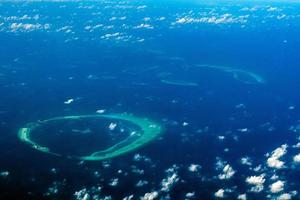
[
  {"x": 69, "y": 101},
  {"x": 150, "y": 196},
  {"x": 22, "y": 18},
  {"x": 285, "y": 196},
  {"x": 168, "y": 182},
  {"x": 141, "y": 183},
  {"x": 257, "y": 168},
  {"x": 185, "y": 123},
  {"x": 172, "y": 169},
  {"x": 81, "y": 194},
  {"x": 65, "y": 29},
  {"x": 297, "y": 158},
  {"x": 252, "y": 9},
  {"x": 220, "y": 193},
  {"x": 145, "y": 26},
  {"x": 101, "y": 111},
  {"x": 137, "y": 171},
  {"x": 271, "y": 9},
  {"x": 110, "y": 35},
  {"x": 243, "y": 130},
  {"x": 194, "y": 168},
  {"x": 112, "y": 126},
  {"x": 297, "y": 145},
  {"x": 141, "y": 7},
  {"x": 137, "y": 157},
  {"x": 4, "y": 173},
  {"x": 257, "y": 182},
  {"x": 274, "y": 177},
  {"x": 190, "y": 195},
  {"x": 257, "y": 188},
  {"x": 27, "y": 27},
  {"x": 220, "y": 163},
  {"x": 221, "y": 137},
  {"x": 242, "y": 197},
  {"x": 246, "y": 161},
  {"x": 228, "y": 172},
  {"x": 273, "y": 161},
  {"x": 276, "y": 187},
  {"x": 219, "y": 19},
  {"x": 130, "y": 197},
  {"x": 114, "y": 182}
]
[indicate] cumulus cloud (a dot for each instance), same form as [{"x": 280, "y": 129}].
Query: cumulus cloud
[
  {"x": 112, "y": 126},
  {"x": 145, "y": 26},
  {"x": 297, "y": 158},
  {"x": 226, "y": 18},
  {"x": 69, "y": 101},
  {"x": 114, "y": 182},
  {"x": 88, "y": 193},
  {"x": 274, "y": 177},
  {"x": 220, "y": 193},
  {"x": 246, "y": 161},
  {"x": 139, "y": 157},
  {"x": 4, "y": 173},
  {"x": 110, "y": 35},
  {"x": 150, "y": 196},
  {"x": 272, "y": 9},
  {"x": 228, "y": 172},
  {"x": 194, "y": 168},
  {"x": 28, "y": 27},
  {"x": 172, "y": 178},
  {"x": 220, "y": 163},
  {"x": 257, "y": 182},
  {"x": 285, "y": 196},
  {"x": 221, "y": 137},
  {"x": 273, "y": 161},
  {"x": 276, "y": 187},
  {"x": 168, "y": 182},
  {"x": 258, "y": 168},
  {"x": 190, "y": 195},
  {"x": 141, "y": 183},
  {"x": 130, "y": 197},
  {"x": 81, "y": 194},
  {"x": 242, "y": 197},
  {"x": 297, "y": 145}
]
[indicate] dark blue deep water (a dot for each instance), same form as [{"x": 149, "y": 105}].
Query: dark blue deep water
[{"x": 221, "y": 78}]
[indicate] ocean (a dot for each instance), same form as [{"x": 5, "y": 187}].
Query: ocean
[{"x": 218, "y": 82}]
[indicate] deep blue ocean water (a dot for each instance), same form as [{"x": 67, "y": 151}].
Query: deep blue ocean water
[{"x": 145, "y": 58}]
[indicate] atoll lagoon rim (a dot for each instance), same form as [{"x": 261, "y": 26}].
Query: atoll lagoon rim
[
  {"x": 237, "y": 73},
  {"x": 149, "y": 130}
]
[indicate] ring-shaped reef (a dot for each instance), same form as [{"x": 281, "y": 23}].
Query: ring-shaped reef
[
  {"x": 149, "y": 130},
  {"x": 238, "y": 73},
  {"x": 179, "y": 83}
]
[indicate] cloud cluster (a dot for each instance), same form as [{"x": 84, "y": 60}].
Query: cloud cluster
[
  {"x": 276, "y": 187},
  {"x": 228, "y": 172},
  {"x": 220, "y": 193},
  {"x": 194, "y": 168},
  {"x": 168, "y": 182},
  {"x": 28, "y": 27},
  {"x": 273, "y": 161},
  {"x": 242, "y": 197},
  {"x": 257, "y": 182},
  {"x": 150, "y": 196},
  {"x": 221, "y": 19},
  {"x": 297, "y": 158}
]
